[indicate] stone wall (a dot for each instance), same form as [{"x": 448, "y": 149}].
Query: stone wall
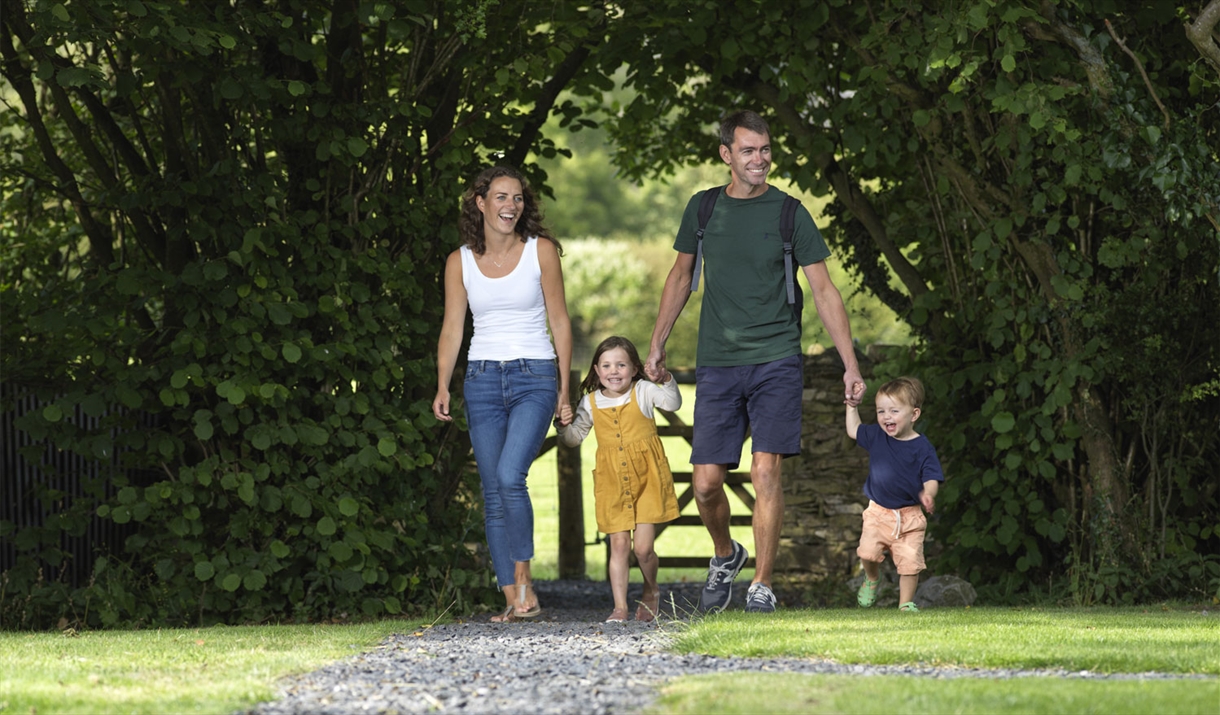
[{"x": 823, "y": 494}]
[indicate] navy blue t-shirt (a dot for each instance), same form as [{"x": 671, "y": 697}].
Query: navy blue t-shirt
[{"x": 897, "y": 468}]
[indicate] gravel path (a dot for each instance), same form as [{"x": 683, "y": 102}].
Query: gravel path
[{"x": 563, "y": 662}]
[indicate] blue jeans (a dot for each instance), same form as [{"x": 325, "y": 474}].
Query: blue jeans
[{"x": 509, "y": 407}]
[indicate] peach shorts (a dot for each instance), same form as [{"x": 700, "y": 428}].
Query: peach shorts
[{"x": 899, "y": 531}]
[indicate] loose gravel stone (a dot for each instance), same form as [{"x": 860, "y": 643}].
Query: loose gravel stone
[{"x": 566, "y": 661}]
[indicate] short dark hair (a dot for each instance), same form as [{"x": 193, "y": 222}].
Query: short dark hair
[{"x": 744, "y": 119}]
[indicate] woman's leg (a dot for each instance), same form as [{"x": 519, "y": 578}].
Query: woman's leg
[
  {"x": 487, "y": 421},
  {"x": 530, "y": 392},
  {"x": 620, "y": 551}
]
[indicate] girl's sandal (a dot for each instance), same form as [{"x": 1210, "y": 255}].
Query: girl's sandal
[
  {"x": 649, "y": 608},
  {"x": 618, "y": 615},
  {"x": 505, "y": 617},
  {"x": 519, "y": 610}
]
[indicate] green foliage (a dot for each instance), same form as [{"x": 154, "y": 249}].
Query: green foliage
[
  {"x": 246, "y": 210},
  {"x": 1052, "y": 220},
  {"x": 625, "y": 231}
]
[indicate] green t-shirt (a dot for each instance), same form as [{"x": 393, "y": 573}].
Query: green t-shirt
[{"x": 745, "y": 318}]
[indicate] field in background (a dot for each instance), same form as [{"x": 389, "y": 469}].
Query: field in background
[{"x": 675, "y": 541}]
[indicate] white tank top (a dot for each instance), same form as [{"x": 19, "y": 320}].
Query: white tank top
[{"x": 509, "y": 312}]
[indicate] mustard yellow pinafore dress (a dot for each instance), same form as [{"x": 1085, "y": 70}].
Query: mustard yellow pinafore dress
[{"x": 632, "y": 483}]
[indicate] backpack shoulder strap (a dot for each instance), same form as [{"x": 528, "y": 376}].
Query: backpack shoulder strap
[
  {"x": 787, "y": 225},
  {"x": 707, "y": 204}
]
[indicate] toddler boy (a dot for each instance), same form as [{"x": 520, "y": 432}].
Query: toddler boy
[{"x": 903, "y": 473}]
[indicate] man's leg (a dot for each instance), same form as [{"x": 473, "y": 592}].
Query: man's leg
[
  {"x": 775, "y": 408},
  {"x": 768, "y": 513},
  {"x": 708, "y": 483}
]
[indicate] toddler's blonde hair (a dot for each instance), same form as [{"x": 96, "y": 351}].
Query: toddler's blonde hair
[{"x": 907, "y": 390}]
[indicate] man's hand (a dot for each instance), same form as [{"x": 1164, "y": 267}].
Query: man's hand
[
  {"x": 654, "y": 366},
  {"x": 854, "y": 388}
]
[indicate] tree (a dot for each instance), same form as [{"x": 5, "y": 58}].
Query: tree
[
  {"x": 1044, "y": 181},
  {"x": 246, "y": 207}
]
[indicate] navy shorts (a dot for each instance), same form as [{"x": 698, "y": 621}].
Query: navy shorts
[{"x": 765, "y": 398}]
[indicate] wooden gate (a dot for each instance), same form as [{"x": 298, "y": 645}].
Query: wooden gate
[{"x": 571, "y": 508}]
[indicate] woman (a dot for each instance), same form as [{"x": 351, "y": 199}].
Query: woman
[{"x": 508, "y": 274}]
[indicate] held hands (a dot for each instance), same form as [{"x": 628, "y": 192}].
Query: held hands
[
  {"x": 563, "y": 414},
  {"x": 854, "y": 388},
  {"x": 654, "y": 366}
]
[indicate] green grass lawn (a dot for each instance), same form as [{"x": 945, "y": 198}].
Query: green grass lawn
[
  {"x": 1121, "y": 640},
  {"x": 206, "y": 670},
  {"x": 675, "y": 541},
  {"x": 226, "y": 669},
  {"x": 796, "y": 694}
]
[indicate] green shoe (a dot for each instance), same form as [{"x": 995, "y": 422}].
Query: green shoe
[
  {"x": 909, "y": 607},
  {"x": 867, "y": 593}
]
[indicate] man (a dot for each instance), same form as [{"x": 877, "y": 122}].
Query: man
[{"x": 749, "y": 364}]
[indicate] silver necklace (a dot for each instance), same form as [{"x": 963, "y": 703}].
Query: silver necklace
[{"x": 502, "y": 258}]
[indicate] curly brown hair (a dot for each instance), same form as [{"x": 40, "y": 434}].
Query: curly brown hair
[
  {"x": 470, "y": 225},
  {"x": 592, "y": 382}
]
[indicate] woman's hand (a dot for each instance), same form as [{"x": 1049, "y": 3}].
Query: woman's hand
[
  {"x": 563, "y": 413},
  {"x": 440, "y": 406}
]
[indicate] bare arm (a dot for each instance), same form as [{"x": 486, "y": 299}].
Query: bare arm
[
  {"x": 559, "y": 321},
  {"x": 853, "y": 421},
  {"x": 928, "y": 496},
  {"x": 451, "y": 334},
  {"x": 673, "y": 300},
  {"x": 829, "y": 303}
]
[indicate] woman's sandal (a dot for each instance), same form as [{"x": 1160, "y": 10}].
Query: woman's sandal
[
  {"x": 519, "y": 610},
  {"x": 618, "y": 615},
  {"x": 505, "y": 617},
  {"x": 649, "y": 609}
]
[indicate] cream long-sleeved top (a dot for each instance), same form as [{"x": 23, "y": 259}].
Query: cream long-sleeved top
[{"x": 647, "y": 395}]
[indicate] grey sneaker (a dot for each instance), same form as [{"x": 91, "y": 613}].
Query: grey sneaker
[
  {"x": 720, "y": 574},
  {"x": 760, "y": 599}
]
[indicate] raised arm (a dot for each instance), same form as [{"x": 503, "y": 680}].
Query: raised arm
[
  {"x": 829, "y": 302},
  {"x": 673, "y": 300},
  {"x": 559, "y": 321},
  {"x": 450, "y": 341},
  {"x": 853, "y": 420}
]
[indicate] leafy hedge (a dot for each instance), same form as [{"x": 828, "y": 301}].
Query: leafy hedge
[{"x": 246, "y": 209}]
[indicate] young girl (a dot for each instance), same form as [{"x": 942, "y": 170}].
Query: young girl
[{"x": 632, "y": 484}]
